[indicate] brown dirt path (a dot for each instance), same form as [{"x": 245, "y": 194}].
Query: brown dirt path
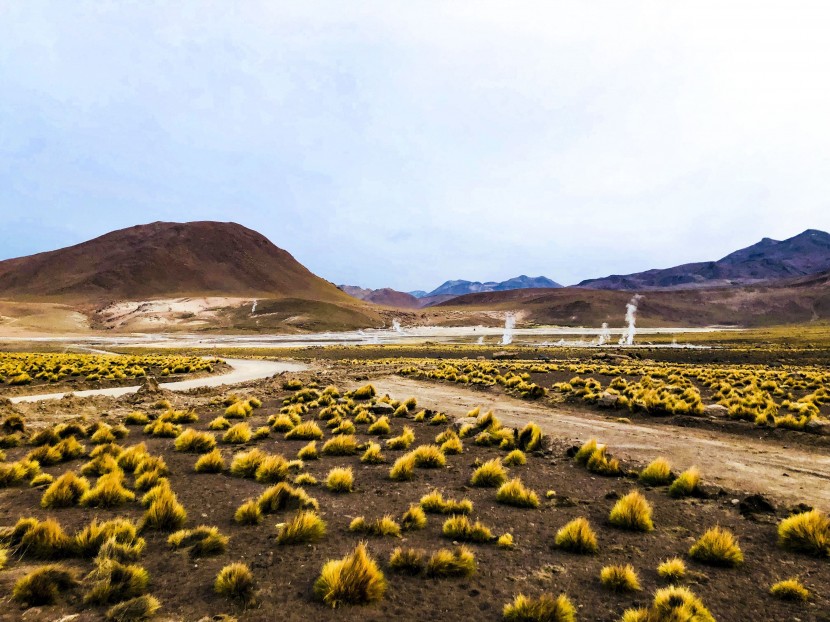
[{"x": 785, "y": 472}]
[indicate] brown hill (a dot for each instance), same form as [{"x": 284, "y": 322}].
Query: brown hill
[
  {"x": 789, "y": 301},
  {"x": 386, "y": 296},
  {"x": 165, "y": 259}
]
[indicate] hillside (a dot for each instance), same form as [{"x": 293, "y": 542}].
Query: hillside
[
  {"x": 804, "y": 254},
  {"x": 386, "y": 296},
  {"x": 461, "y": 287},
  {"x": 790, "y": 301},
  {"x": 163, "y": 260}
]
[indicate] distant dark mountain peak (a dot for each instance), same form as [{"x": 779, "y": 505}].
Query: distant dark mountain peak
[{"x": 461, "y": 287}]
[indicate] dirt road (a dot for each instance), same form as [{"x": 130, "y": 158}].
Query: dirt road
[{"x": 787, "y": 472}]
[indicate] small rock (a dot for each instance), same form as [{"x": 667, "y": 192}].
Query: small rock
[
  {"x": 715, "y": 410},
  {"x": 608, "y": 400},
  {"x": 756, "y": 504},
  {"x": 382, "y": 408}
]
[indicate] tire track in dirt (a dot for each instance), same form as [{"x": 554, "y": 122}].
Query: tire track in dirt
[{"x": 786, "y": 472}]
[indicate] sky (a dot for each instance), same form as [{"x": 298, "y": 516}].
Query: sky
[{"x": 399, "y": 144}]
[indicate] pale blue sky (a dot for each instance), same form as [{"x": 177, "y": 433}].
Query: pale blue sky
[{"x": 405, "y": 143}]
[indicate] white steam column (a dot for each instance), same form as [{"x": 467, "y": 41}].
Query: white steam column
[
  {"x": 509, "y": 325},
  {"x": 627, "y": 338}
]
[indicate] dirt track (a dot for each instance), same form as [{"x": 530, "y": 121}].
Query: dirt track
[{"x": 786, "y": 472}]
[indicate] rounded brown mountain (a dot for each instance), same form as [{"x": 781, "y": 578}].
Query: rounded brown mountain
[{"x": 165, "y": 259}]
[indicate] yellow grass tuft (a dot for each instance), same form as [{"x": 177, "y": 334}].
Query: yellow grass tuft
[
  {"x": 633, "y": 512},
  {"x": 672, "y": 569},
  {"x": 460, "y": 528},
  {"x": 112, "y": 581},
  {"x": 340, "y": 479},
  {"x": 515, "y": 458},
  {"x": 807, "y": 532},
  {"x": 202, "y": 540},
  {"x": 435, "y": 503},
  {"x": 428, "y": 457},
  {"x": 212, "y": 462},
  {"x": 406, "y": 438},
  {"x": 195, "y": 442},
  {"x": 352, "y": 580},
  {"x": 305, "y": 527},
  {"x": 516, "y": 494},
  {"x": 577, "y": 537},
  {"x": 620, "y": 578},
  {"x": 403, "y": 469},
  {"x": 414, "y": 518},
  {"x": 657, "y": 473},
  {"x": 686, "y": 484},
  {"x": 272, "y": 469},
  {"x": 237, "y": 434},
  {"x": 717, "y": 547},
  {"x": 505, "y": 541},
  {"x": 407, "y": 561},
  {"x": 373, "y": 454},
  {"x": 490, "y": 474},
  {"x": 384, "y": 526},
  {"x": 308, "y": 452},
  {"x": 245, "y": 464},
  {"x": 248, "y": 513},
  {"x": 135, "y": 609},
  {"x": 458, "y": 562},
  {"x": 44, "y": 586},
  {"x": 108, "y": 492},
  {"x": 342, "y": 445},
  {"x": 305, "y": 431},
  {"x": 65, "y": 491},
  {"x": 165, "y": 512},
  {"x": 284, "y": 496},
  {"x": 380, "y": 427},
  {"x": 546, "y": 608},
  {"x": 790, "y": 589},
  {"x": 235, "y": 581}
]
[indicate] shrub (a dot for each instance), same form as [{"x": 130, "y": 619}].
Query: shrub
[
  {"x": 490, "y": 474},
  {"x": 108, "y": 492},
  {"x": 414, "y": 518},
  {"x": 283, "y": 496},
  {"x": 686, "y": 484},
  {"x": 657, "y": 473},
  {"x": 458, "y": 562},
  {"x": 407, "y": 561},
  {"x": 406, "y": 438},
  {"x": 620, "y": 578},
  {"x": 235, "y": 581},
  {"x": 65, "y": 491},
  {"x": 41, "y": 539},
  {"x": 88, "y": 541},
  {"x": 237, "y": 434},
  {"x": 403, "y": 469},
  {"x": 452, "y": 446},
  {"x": 305, "y": 431},
  {"x": 353, "y": 580},
  {"x": 245, "y": 464},
  {"x": 130, "y": 458},
  {"x": 515, "y": 458},
  {"x": 195, "y": 442},
  {"x": 372, "y": 455},
  {"x": 672, "y": 569},
  {"x": 435, "y": 503},
  {"x": 384, "y": 526},
  {"x": 546, "y": 608},
  {"x": 136, "y": 418},
  {"x": 364, "y": 393},
  {"x": 790, "y": 589},
  {"x": 248, "y": 513},
  {"x": 138, "y": 608},
  {"x": 807, "y": 532},
  {"x": 428, "y": 457},
  {"x": 220, "y": 423},
  {"x": 600, "y": 463},
  {"x": 202, "y": 540},
  {"x": 44, "y": 586},
  {"x": 632, "y": 512},
  {"x": 514, "y": 493},
  {"x": 340, "y": 480},
  {"x": 212, "y": 462},
  {"x": 343, "y": 445},
  {"x": 381, "y": 426},
  {"x": 165, "y": 512},
  {"x": 272, "y": 469},
  {"x": 460, "y": 528},
  {"x": 305, "y": 527},
  {"x": 577, "y": 537},
  {"x": 585, "y": 452},
  {"x": 308, "y": 452},
  {"x": 717, "y": 547},
  {"x": 113, "y": 581}
]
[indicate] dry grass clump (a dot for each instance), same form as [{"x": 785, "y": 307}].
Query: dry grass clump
[
  {"x": 65, "y": 491},
  {"x": 546, "y": 608},
  {"x": 108, "y": 492},
  {"x": 308, "y": 452},
  {"x": 671, "y": 604},
  {"x": 342, "y": 445},
  {"x": 352, "y": 580},
  {"x": 515, "y": 458},
  {"x": 237, "y": 434},
  {"x": 717, "y": 547},
  {"x": 235, "y": 581},
  {"x": 89, "y": 541},
  {"x": 165, "y": 512},
  {"x": 112, "y": 581},
  {"x": 458, "y": 562},
  {"x": 633, "y": 512},
  {"x": 790, "y": 589},
  {"x": 136, "y": 418},
  {"x": 414, "y": 518},
  {"x": 577, "y": 537},
  {"x": 218, "y": 424},
  {"x": 305, "y": 431},
  {"x": 272, "y": 469},
  {"x": 407, "y": 561},
  {"x": 135, "y": 609},
  {"x": 100, "y": 464},
  {"x": 239, "y": 410},
  {"x": 435, "y": 503},
  {"x": 202, "y": 540},
  {"x": 380, "y": 427},
  {"x": 505, "y": 541},
  {"x": 403, "y": 469},
  {"x": 162, "y": 429},
  {"x": 248, "y": 513},
  {"x": 672, "y": 569},
  {"x": 807, "y": 532},
  {"x": 245, "y": 464},
  {"x": 686, "y": 484},
  {"x": 428, "y": 457},
  {"x": 373, "y": 454},
  {"x": 340, "y": 479},
  {"x": 452, "y": 446},
  {"x": 530, "y": 437},
  {"x": 44, "y": 586},
  {"x": 132, "y": 456},
  {"x": 121, "y": 551},
  {"x": 384, "y": 526},
  {"x": 620, "y": 578},
  {"x": 212, "y": 462},
  {"x": 365, "y": 392},
  {"x": 283, "y": 496},
  {"x": 305, "y": 527},
  {"x": 602, "y": 465},
  {"x": 657, "y": 473},
  {"x": 516, "y": 494},
  {"x": 195, "y": 442},
  {"x": 460, "y": 528},
  {"x": 584, "y": 453},
  {"x": 305, "y": 479},
  {"x": 40, "y": 539},
  {"x": 17, "y": 472},
  {"x": 403, "y": 441},
  {"x": 490, "y": 474},
  {"x": 284, "y": 423}
]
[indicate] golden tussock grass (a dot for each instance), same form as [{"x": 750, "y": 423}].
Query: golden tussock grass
[
  {"x": 403, "y": 441},
  {"x": 284, "y": 496},
  {"x": 407, "y": 560},
  {"x": 88, "y": 541},
  {"x": 340, "y": 480},
  {"x": 490, "y": 474},
  {"x": 165, "y": 512},
  {"x": 195, "y": 442},
  {"x": 380, "y": 427},
  {"x": 505, "y": 541},
  {"x": 44, "y": 586},
  {"x": 515, "y": 458},
  {"x": 308, "y": 452},
  {"x": 202, "y": 540},
  {"x": 65, "y": 491},
  {"x": 383, "y": 526},
  {"x": 717, "y": 547},
  {"x": 414, "y": 518},
  {"x": 138, "y": 608},
  {"x": 272, "y": 469},
  {"x": 428, "y": 457},
  {"x": 790, "y": 589},
  {"x": 112, "y": 581},
  {"x": 457, "y": 562},
  {"x": 343, "y": 445},
  {"x": 248, "y": 513},
  {"x": 460, "y": 528},
  {"x": 403, "y": 469},
  {"x": 686, "y": 484},
  {"x": 353, "y": 580},
  {"x": 305, "y": 527},
  {"x": 577, "y": 537},
  {"x": 212, "y": 462},
  {"x": 245, "y": 464},
  {"x": 235, "y": 581},
  {"x": 633, "y": 511},
  {"x": 673, "y": 569},
  {"x": 218, "y": 424},
  {"x": 516, "y": 494},
  {"x": 545, "y": 608},
  {"x": 435, "y": 503},
  {"x": 305, "y": 431},
  {"x": 237, "y": 434},
  {"x": 373, "y": 454},
  {"x": 807, "y": 532},
  {"x": 657, "y": 473},
  {"x": 620, "y": 578},
  {"x": 108, "y": 492}
]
